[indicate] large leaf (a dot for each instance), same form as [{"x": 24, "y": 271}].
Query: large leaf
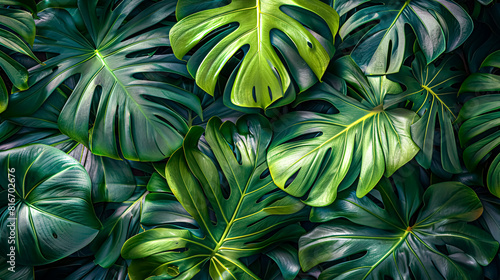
[
  {"x": 433, "y": 91},
  {"x": 313, "y": 152},
  {"x": 50, "y": 204},
  {"x": 262, "y": 77},
  {"x": 401, "y": 234},
  {"x": 112, "y": 180},
  {"x": 17, "y": 33},
  {"x": 133, "y": 117},
  {"x": 239, "y": 211},
  {"x": 480, "y": 134},
  {"x": 439, "y": 25}
]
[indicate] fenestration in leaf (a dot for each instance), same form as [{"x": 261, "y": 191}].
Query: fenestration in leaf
[
  {"x": 133, "y": 118},
  {"x": 312, "y": 153},
  {"x": 414, "y": 235},
  {"x": 17, "y": 33},
  {"x": 239, "y": 216},
  {"x": 53, "y": 212},
  {"x": 480, "y": 136},
  {"x": 439, "y": 25},
  {"x": 262, "y": 76}
]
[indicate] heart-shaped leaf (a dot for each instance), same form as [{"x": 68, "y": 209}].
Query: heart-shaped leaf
[{"x": 46, "y": 205}]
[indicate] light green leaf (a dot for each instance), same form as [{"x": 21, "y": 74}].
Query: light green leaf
[
  {"x": 239, "y": 216},
  {"x": 262, "y": 76},
  {"x": 312, "y": 152}
]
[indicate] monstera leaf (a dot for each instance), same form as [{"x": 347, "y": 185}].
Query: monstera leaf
[
  {"x": 133, "y": 117},
  {"x": 481, "y": 82},
  {"x": 480, "y": 135},
  {"x": 17, "y": 33},
  {"x": 431, "y": 89},
  {"x": 401, "y": 234},
  {"x": 112, "y": 180},
  {"x": 239, "y": 216},
  {"x": 439, "y": 25},
  {"x": 312, "y": 152},
  {"x": 46, "y": 196},
  {"x": 262, "y": 76}
]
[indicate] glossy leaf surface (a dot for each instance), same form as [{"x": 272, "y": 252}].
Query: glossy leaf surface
[
  {"x": 262, "y": 76},
  {"x": 245, "y": 212},
  {"x": 314, "y": 152}
]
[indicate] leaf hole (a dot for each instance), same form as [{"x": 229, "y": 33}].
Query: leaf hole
[
  {"x": 265, "y": 174},
  {"x": 291, "y": 178}
]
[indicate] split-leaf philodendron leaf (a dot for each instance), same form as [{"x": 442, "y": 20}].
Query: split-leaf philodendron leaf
[
  {"x": 238, "y": 216},
  {"x": 400, "y": 233},
  {"x": 439, "y": 25},
  {"x": 49, "y": 194},
  {"x": 262, "y": 76},
  {"x": 433, "y": 91},
  {"x": 312, "y": 152},
  {"x": 133, "y": 118}
]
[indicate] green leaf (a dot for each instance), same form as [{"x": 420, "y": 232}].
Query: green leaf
[
  {"x": 132, "y": 116},
  {"x": 431, "y": 89},
  {"x": 51, "y": 204},
  {"x": 239, "y": 216},
  {"x": 117, "y": 228},
  {"x": 112, "y": 180},
  {"x": 313, "y": 152},
  {"x": 480, "y": 82},
  {"x": 17, "y": 33},
  {"x": 262, "y": 77},
  {"x": 424, "y": 236},
  {"x": 20, "y": 272},
  {"x": 439, "y": 25},
  {"x": 480, "y": 136}
]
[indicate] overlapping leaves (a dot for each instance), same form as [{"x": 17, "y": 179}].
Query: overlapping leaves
[
  {"x": 133, "y": 118},
  {"x": 240, "y": 211},
  {"x": 45, "y": 228},
  {"x": 262, "y": 76},
  {"x": 17, "y": 34},
  {"x": 433, "y": 91},
  {"x": 315, "y": 153},
  {"x": 439, "y": 25}
]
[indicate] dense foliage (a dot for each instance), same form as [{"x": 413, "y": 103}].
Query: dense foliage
[{"x": 249, "y": 139}]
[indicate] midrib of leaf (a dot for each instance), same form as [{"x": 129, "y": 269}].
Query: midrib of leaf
[
  {"x": 435, "y": 95},
  {"x": 372, "y": 113},
  {"x": 101, "y": 59},
  {"x": 391, "y": 250}
]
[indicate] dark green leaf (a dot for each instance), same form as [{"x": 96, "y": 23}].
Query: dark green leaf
[
  {"x": 51, "y": 204},
  {"x": 239, "y": 215}
]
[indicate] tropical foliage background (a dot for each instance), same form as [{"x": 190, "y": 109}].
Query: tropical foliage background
[{"x": 250, "y": 139}]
